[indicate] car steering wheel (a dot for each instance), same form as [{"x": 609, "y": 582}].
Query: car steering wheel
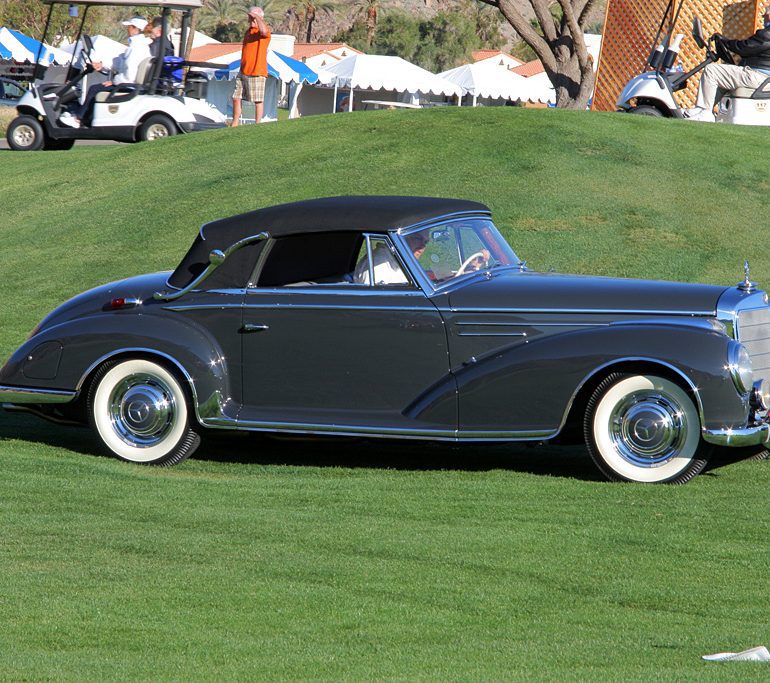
[{"x": 468, "y": 261}]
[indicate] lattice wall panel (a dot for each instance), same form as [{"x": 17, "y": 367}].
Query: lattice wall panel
[{"x": 629, "y": 30}]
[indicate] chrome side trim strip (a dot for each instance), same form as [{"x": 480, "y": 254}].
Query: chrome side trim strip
[
  {"x": 298, "y": 307},
  {"x": 570, "y": 311},
  {"x": 749, "y": 436},
  {"x": 384, "y": 432},
  {"x": 28, "y": 395},
  {"x": 491, "y": 334}
]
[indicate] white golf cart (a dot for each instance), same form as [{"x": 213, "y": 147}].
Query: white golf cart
[
  {"x": 652, "y": 92},
  {"x": 167, "y": 98}
]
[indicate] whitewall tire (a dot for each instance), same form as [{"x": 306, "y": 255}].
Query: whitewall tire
[
  {"x": 644, "y": 428},
  {"x": 139, "y": 411}
]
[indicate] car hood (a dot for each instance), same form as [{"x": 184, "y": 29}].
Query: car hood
[{"x": 532, "y": 291}]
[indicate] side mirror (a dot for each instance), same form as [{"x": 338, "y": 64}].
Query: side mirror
[
  {"x": 697, "y": 32},
  {"x": 216, "y": 257}
]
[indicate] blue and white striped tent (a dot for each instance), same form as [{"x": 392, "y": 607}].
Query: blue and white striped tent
[
  {"x": 15, "y": 46},
  {"x": 280, "y": 67}
]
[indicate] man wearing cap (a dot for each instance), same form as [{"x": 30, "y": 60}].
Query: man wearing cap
[
  {"x": 718, "y": 79},
  {"x": 251, "y": 79},
  {"x": 125, "y": 67}
]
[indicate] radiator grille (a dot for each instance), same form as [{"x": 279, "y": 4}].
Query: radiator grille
[{"x": 754, "y": 334}]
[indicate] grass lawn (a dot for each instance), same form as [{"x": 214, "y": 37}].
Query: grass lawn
[{"x": 358, "y": 560}]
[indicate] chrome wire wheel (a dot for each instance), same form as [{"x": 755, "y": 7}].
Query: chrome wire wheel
[
  {"x": 644, "y": 428},
  {"x": 138, "y": 409}
]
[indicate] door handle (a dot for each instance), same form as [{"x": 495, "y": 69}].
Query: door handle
[{"x": 248, "y": 327}]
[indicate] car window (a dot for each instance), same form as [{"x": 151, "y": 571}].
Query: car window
[
  {"x": 458, "y": 248},
  {"x": 10, "y": 90},
  {"x": 377, "y": 259}
]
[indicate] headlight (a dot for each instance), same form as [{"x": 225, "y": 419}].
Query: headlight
[{"x": 739, "y": 364}]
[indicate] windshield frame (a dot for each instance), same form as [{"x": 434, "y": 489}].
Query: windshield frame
[{"x": 418, "y": 272}]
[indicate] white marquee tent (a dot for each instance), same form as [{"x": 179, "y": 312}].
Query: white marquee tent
[
  {"x": 489, "y": 80},
  {"x": 389, "y": 74}
]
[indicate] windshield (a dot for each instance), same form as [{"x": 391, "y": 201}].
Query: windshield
[{"x": 448, "y": 251}]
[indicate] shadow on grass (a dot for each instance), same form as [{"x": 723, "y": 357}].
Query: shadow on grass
[
  {"x": 318, "y": 451},
  {"x": 571, "y": 462}
]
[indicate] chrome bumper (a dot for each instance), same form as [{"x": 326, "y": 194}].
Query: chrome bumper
[
  {"x": 749, "y": 436},
  {"x": 26, "y": 395}
]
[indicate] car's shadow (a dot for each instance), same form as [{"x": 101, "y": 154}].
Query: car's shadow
[{"x": 571, "y": 462}]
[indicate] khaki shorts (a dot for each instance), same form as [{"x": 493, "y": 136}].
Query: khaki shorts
[{"x": 250, "y": 88}]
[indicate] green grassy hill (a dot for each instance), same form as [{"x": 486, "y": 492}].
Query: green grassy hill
[
  {"x": 326, "y": 560},
  {"x": 587, "y": 193}
]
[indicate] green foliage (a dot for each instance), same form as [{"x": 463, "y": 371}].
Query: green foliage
[
  {"x": 365, "y": 560},
  {"x": 436, "y": 44}
]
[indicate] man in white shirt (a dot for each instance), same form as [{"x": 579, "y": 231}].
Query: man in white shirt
[{"x": 124, "y": 66}]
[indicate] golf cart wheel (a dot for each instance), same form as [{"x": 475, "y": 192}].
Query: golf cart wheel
[
  {"x": 646, "y": 110},
  {"x": 646, "y": 429},
  {"x": 139, "y": 410},
  {"x": 156, "y": 126},
  {"x": 25, "y": 134}
]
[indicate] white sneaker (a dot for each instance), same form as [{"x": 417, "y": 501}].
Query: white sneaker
[
  {"x": 68, "y": 119},
  {"x": 699, "y": 114}
]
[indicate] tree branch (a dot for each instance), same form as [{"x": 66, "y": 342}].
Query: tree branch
[
  {"x": 576, "y": 32},
  {"x": 528, "y": 34},
  {"x": 545, "y": 18},
  {"x": 583, "y": 14}
]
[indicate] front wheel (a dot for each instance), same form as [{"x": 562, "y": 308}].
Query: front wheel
[
  {"x": 646, "y": 110},
  {"x": 25, "y": 134},
  {"x": 644, "y": 428},
  {"x": 155, "y": 127},
  {"x": 138, "y": 409}
]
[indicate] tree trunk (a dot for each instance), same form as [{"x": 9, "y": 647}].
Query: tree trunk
[
  {"x": 309, "y": 19},
  {"x": 559, "y": 45}
]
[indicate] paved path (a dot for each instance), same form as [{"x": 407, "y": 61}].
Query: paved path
[{"x": 4, "y": 142}]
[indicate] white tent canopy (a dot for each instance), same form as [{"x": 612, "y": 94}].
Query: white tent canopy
[
  {"x": 379, "y": 72},
  {"x": 105, "y": 49},
  {"x": 488, "y": 79}
]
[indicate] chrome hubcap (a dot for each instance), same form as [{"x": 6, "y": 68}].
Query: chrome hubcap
[
  {"x": 142, "y": 410},
  {"x": 648, "y": 428},
  {"x": 24, "y": 135},
  {"x": 157, "y": 130}
]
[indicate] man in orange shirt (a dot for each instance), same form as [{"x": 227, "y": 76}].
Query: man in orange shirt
[{"x": 251, "y": 79}]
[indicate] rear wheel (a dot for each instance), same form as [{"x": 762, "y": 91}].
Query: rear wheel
[
  {"x": 155, "y": 127},
  {"x": 646, "y": 110},
  {"x": 25, "y": 134},
  {"x": 139, "y": 411},
  {"x": 644, "y": 428}
]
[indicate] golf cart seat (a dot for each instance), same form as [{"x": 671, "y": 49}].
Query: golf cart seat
[
  {"x": 126, "y": 91},
  {"x": 760, "y": 93}
]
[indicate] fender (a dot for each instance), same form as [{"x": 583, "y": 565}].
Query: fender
[
  {"x": 531, "y": 385},
  {"x": 649, "y": 87},
  {"x": 62, "y": 357}
]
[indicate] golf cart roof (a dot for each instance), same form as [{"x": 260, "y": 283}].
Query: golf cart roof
[{"x": 173, "y": 4}]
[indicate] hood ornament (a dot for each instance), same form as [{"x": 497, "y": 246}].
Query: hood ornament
[{"x": 747, "y": 285}]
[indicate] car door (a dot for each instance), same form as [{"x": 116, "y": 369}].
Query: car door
[{"x": 342, "y": 356}]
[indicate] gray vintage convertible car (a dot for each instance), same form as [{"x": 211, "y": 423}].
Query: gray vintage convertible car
[{"x": 404, "y": 317}]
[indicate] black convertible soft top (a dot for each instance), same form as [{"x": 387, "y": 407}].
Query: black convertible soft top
[
  {"x": 329, "y": 214},
  {"x": 339, "y": 214}
]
